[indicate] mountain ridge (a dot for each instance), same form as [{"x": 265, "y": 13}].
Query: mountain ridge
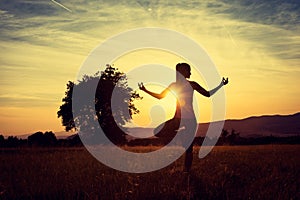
[{"x": 264, "y": 125}]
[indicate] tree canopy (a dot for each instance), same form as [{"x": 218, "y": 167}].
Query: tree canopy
[
  {"x": 42, "y": 139},
  {"x": 110, "y": 81}
]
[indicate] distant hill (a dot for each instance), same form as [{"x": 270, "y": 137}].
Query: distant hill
[
  {"x": 276, "y": 125},
  {"x": 256, "y": 126},
  {"x": 139, "y": 132}
]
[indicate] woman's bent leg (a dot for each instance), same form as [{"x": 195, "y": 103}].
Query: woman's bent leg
[{"x": 188, "y": 159}]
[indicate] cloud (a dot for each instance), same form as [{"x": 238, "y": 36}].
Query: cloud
[
  {"x": 23, "y": 8},
  {"x": 272, "y": 25},
  {"x": 28, "y": 100},
  {"x": 43, "y": 45},
  {"x": 283, "y": 13}
]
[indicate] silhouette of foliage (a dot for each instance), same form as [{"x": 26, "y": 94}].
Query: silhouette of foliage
[
  {"x": 111, "y": 81},
  {"x": 48, "y": 139},
  {"x": 2, "y": 140},
  {"x": 36, "y": 139},
  {"x": 65, "y": 110},
  {"x": 74, "y": 141},
  {"x": 40, "y": 139},
  {"x": 232, "y": 138},
  {"x": 12, "y": 141}
]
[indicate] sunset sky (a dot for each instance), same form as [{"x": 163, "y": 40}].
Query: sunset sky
[{"x": 44, "y": 43}]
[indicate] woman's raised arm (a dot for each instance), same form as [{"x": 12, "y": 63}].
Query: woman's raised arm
[
  {"x": 206, "y": 93},
  {"x": 156, "y": 95}
]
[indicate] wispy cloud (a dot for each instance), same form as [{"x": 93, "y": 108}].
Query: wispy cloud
[
  {"x": 28, "y": 100},
  {"x": 43, "y": 43}
]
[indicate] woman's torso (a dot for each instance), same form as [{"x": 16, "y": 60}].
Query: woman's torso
[{"x": 184, "y": 94}]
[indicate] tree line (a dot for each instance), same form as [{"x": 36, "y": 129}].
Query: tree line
[
  {"x": 48, "y": 139},
  {"x": 40, "y": 139}
]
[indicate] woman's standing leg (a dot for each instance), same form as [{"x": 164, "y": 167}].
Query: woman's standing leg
[
  {"x": 190, "y": 130},
  {"x": 188, "y": 158}
]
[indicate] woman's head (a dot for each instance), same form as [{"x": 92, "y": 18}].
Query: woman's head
[{"x": 184, "y": 69}]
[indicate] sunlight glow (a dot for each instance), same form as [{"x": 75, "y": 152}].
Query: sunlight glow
[{"x": 42, "y": 48}]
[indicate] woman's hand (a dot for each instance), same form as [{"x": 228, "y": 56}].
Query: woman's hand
[
  {"x": 224, "y": 81},
  {"x": 141, "y": 86}
]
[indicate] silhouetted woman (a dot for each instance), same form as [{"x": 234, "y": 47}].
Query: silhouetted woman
[{"x": 184, "y": 121}]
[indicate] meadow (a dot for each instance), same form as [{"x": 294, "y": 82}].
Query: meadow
[{"x": 228, "y": 172}]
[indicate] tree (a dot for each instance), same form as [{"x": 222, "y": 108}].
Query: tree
[
  {"x": 36, "y": 139},
  {"x": 12, "y": 141},
  {"x": 111, "y": 81},
  {"x": 229, "y": 139},
  {"x": 42, "y": 139},
  {"x": 223, "y": 139},
  {"x": 233, "y": 137},
  {"x": 50, "y": 138},
  {"x": 65, "y": 110},
  {"x": 2, "y": 140}
]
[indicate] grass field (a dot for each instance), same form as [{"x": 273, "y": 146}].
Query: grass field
[{"x": 239, "y": 172}]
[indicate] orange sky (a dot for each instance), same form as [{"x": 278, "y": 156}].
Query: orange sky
[{"x": 43, "y": 45}]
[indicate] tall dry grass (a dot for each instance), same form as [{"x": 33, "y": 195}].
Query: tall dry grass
[{"x": 241, "y": 172}]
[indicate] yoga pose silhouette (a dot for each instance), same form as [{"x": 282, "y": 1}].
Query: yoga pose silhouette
[{"x": 184, "y": 120}]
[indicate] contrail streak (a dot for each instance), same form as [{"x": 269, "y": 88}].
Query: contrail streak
[
  {"x": 230, "y": 36},
  {"x": 64, "y": 7}
]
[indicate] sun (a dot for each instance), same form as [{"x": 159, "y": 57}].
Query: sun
[{"x": 153, "y": 111}]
